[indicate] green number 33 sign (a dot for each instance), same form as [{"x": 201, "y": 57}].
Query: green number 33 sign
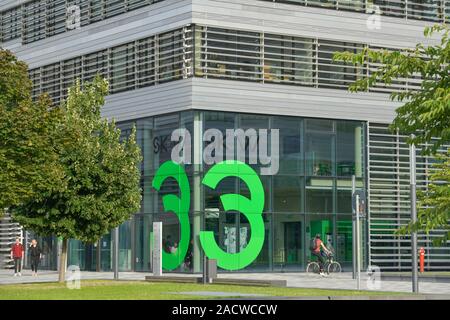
[{"x": 251, "y": 208}]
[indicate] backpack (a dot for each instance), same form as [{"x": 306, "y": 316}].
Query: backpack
[{"x": 312, "y": 244}]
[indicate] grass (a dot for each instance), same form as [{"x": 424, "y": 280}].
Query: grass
[{"x": 141, "y": 290}]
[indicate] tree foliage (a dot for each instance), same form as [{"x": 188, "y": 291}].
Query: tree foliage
[
  {"x": 28, "y": 161},
  {"x": 101, "y": 180},
  {"x": 101, "y": 177},
  {"x": 425, "y": 112},
  {"x": 434, "y": 203}
]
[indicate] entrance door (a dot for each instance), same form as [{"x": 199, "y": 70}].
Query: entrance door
[{"x": 292, "y": 242}]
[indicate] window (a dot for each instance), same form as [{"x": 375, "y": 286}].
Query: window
[
  {"x": 287, "y": 194},
  {"x": 231, "y": 54},
  {"x": 122, "y": 70},
  {"x": 424, "y": 9},
  {"x": 71, "y": 71},
  {"x": 56, "y": 17},
  {"x": 335, "y": 74},
  {"x": 394, "y": 8},
  {"x": 289, "y": 245},
  {"x": 35, "y": 77},
  {"x": 290, "y": 153},
  {"x": 114, "y": 7},
  {"x": 145, "y": 62},
  {"x": 349, "y": 148},
  {"x": 319, "y": 146},
  {"x": 96, "y": 11},
  {"x": 447, "y": 10},
  {"x": 11, "y": 24},
  {"x": 95, "y": 63},
  {"x": 319, "y": 195},
  {"x": 288, "y": 59},
  {"x": 175, "y": 51},
  {"x": 34, "y": 16},
  {"x": 51, "y": 81}
]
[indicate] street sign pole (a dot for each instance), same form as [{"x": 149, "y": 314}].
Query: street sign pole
[
  {"x": 116, "y": 253},
  {"x": 358, "y": 245},
  {"x": 412, "y": 167},
  {"x": 353, "y": 231}
]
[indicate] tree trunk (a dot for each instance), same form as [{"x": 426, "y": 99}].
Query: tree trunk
[
  {"x": 98, "y": 264},
  {"x": 63, "y": 261}
]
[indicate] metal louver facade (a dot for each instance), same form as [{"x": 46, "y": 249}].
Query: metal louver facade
[{"x": 389, "y": 202}]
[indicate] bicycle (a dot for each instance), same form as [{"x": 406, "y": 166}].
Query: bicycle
[{"x": 330, "y": 266}]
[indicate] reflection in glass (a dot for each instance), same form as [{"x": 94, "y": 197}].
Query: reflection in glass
[
  {"x": 289, "y": 249},
  {"x": 290, "y": 156},
  {"x": 287, "y": 194}
]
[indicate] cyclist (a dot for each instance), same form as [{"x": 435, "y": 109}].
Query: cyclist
[{"x": 317, "y": 251}]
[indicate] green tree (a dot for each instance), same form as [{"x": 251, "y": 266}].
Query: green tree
[
  {"x": 423, "y": 116},
  {"x": 434, "y": 203},
  {"x": 28, "y": 162},
  {"x": 425, "y": 112},
  {"x": 101, "y": 175}
]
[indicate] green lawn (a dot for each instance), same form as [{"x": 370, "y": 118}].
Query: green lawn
[{"x": 108, "y": 289}]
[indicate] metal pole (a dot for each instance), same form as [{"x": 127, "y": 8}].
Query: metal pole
[
  {"x": 116, "y": 253},
  {"x": 353, "y": 233},
  {"x": 358, "y": 246},
  {"x": 412, "y": 168}
]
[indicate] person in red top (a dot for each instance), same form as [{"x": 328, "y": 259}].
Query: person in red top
[
  {"x": 317, "y": 251},
  {"x": 17, "y": 254}
]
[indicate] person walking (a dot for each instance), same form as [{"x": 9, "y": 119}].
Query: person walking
[
  {"x": 35, "y": 255},
  {"x": 17, "y": 255}
]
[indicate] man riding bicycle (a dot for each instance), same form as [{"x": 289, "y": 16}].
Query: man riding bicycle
[{"x": 316, "y": 250}]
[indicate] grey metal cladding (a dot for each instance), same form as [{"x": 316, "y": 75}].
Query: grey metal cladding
[
  {"x": 164, "y": 98},
  {"x": 165, "y": 15},
  {"x": 306, "y": 21},
  {"x": 240, "y": 96},
  {"x": 247, "y": 97},
  {"x": 240, "y": 14}
]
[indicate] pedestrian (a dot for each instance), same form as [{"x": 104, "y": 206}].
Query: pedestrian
[
  {"x": 35, "y": 255},
  {"x": 17, "y": 255}
]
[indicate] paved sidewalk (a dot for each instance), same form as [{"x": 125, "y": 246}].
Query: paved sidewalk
[{"x": 300, "y": 280}]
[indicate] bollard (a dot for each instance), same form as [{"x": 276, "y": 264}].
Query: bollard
[{"x": 422, "y": 259}]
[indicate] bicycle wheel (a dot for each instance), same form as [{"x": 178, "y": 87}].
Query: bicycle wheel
[
  {"x": 312, "y": 267},
  {"x": 334, "y": 267}
]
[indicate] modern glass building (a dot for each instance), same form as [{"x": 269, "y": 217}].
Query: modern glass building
[{"x": 250, "y": 65}]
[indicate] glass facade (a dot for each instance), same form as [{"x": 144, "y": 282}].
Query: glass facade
[{"x": 310, "y": 193}]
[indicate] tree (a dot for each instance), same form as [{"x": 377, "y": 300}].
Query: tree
[
  {"x": 425, "y": 112},
  {"x": 434, "y": 203},
  {"x": 28, "y": 162},
  {"x": 424, "y": 115},
  {"x": 101, "y": 175}
]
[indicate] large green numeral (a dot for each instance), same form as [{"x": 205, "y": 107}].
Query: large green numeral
[
  {"x": 179, "y": 206},
  {"x": 251, "y": 208}
]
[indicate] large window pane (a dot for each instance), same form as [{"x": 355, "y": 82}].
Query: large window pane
[
  {"x": 319, "y": 149},
  {"x": 287, "y": 194},
  {"x": 319, "y": 196},
  {"x": 289, "y": 242},
  {"x": 321, "y": 225},
  {"x": 288, "y": 59},
  {"x": 290, "y": 156},
  {"x": 349, "y": 149},
  {"x": 336, "y": 74},
  {"x": 343, "y": 245},
  {"x": 231, "y": 54}
]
